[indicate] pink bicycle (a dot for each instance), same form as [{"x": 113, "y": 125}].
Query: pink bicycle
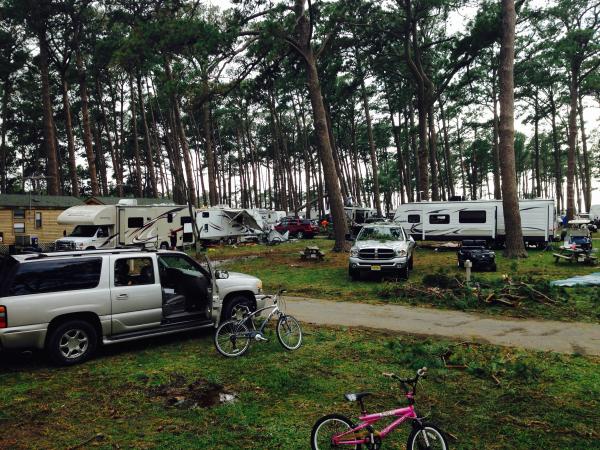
[{"x": 337, "y": 431}]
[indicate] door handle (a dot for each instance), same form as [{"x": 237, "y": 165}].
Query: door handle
[{"x": 122, "y": 297}]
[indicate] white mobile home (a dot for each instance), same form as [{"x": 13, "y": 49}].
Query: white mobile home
[
  {"x": 109, "y": 226},
  {"x": 222, "y": 223},
  {"x": 476, "y": 219}
]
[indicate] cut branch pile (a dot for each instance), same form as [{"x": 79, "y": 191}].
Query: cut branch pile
[{"x": 512, "y": 294}]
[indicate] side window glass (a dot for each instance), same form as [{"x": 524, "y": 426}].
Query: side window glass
[
  {"x": 133, "y": 271},
  {"x": 56, "y": 276},
  {"x": 414, "y": 218},
  {"x": 135, "y": 222},
  {"x": 205, "y": 214}
]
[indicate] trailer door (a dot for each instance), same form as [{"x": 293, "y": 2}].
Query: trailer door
[{"x": 122, "y": 224}]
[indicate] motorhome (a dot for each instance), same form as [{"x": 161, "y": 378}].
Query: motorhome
[
  {"x": 476, "y": 219},
  {"x": 221, "y": 223},
  {"x": 126, "y": 223}
]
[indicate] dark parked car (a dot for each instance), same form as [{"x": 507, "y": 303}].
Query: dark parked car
[
  {"x": 477, "y": 252},
  {"x": 301, "y": 228}
]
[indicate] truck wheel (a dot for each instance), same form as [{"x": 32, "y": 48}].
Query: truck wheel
[
  {"x": 404, "y": 273},
  {"x": 300, "y": 235},
  {"x": 354, "y": 274},
  {"x": 493, "y": 267},
  {"x": 72, "y": 342},
  {"x": 238, "y": 304},
  {"x": 411, "y": 263}
]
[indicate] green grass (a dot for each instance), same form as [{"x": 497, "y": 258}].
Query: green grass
[
  {"x": 281, "y": 266},
  {"x": 501, "y": 398}
]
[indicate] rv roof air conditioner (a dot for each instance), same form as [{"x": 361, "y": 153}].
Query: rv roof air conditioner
[{"x": 128, "y": 202}]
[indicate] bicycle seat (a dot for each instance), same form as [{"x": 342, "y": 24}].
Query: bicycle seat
[{"x": 358, "y": 396}]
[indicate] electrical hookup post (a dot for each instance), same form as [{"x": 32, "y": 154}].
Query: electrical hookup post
[{"x": 468, "y": 266}]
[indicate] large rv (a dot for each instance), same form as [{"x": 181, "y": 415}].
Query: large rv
[
  {"x": 221, "y": 223},
  {"x": 476, "y": 219},
  {"x": 126, "y": 223}
]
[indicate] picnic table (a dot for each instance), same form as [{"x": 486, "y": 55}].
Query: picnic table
[
  {"x": 312, "y": 253},
  {"x": 575, "y": 254}
]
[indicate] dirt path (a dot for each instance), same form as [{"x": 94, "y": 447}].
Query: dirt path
[{"x": 545, "y": 335}]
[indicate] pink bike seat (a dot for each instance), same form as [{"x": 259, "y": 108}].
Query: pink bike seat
[{"x": 356, "y": 396}]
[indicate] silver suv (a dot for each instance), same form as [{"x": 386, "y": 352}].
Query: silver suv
[
  {"x": 68, "y": 303},
  {"x": 382, "y": 248}
]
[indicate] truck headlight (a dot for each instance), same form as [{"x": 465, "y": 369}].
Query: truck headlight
[
  {"x": 353, "y": 251},
  {"x": 400, "y": 253}
]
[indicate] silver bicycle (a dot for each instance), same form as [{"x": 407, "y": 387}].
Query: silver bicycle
[{"x": 233, "y": 337}]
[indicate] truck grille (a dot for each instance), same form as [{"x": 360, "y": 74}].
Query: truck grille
[
  {"x": 62, "y": 246},
  {"x": 376, "y": 253}
]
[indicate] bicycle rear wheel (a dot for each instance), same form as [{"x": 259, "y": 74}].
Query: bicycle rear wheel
[
  {"x": 427, "y": 437},
  {"x": 289, "y": 332},
  {"x": 232, "y": 339},
  {"x": 326, "y": 428}
]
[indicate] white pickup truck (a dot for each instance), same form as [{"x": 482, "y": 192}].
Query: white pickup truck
[{"x": 69, "y": 303}]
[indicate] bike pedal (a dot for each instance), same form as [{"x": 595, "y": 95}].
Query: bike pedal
[{"x": 260, "y": 337}]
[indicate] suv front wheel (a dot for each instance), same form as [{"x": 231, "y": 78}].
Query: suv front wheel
[{"x": 72, "y": 342}]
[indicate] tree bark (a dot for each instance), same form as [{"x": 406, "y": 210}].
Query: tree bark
[
  {"x": 136, "y": 144},
  {"x": 587, "y": 176},
  {"x": 70, "y": 138},
  {"x": 48, "y": 119},
  {"x": 149, "y": 152},
  {"x": 495, "y": 144},
  {"x": 303, "y": 28},
  {"x": 515, "y": 247},
  {"x": 572, "y": 138},
  {"x": 372, "y": 150}
]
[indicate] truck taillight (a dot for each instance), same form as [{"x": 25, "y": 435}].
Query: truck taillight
[{"x": 3, "y": 323}]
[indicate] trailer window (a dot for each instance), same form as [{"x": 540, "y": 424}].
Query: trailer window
[
  {"x": 56, "y": 276},
  {"x": 205, "y": 214},
  {"x": 471, "y": 217},
  {"x": 135, "y": 222},
  {"x": 414, "y": 218},
  {"x": 438, "y": 219},
  {"x": 185, "y": 219},
  {"x": 38, "y": 219}
]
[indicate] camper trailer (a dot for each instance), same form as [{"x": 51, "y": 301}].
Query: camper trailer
[
  {"x": 267, "y": 218},
  {"x": 126, "y": 223},
  {"x": 220, "y": 223},
  {"x": 476, "y": 219}
]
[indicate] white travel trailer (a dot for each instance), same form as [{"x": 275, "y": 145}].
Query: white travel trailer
[
  {"x": 594, "y": 212},
  {"x": 476, "y": 219},
  {"x": 220, "y": 223},
  {"x": 267, "y": 218},
  {"x": 126, "y": 223}
]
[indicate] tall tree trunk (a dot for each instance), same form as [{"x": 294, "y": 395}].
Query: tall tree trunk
[
  {"x": 372, "y": 152},
  {"x": 3, "y": 151},
  {"x": 180, "y": 132},
  {"x": 515, "y": 247},
  {"x": 303, "y": 29},
  {"x": 70, "y": 138},
  {"x": 213, "y": 192},
  {"x": 100, "y": 160},
  {"x": 462, "y": 160},
  {"x": 572, "y": 138},
  {"x": 148, "y": 141},
  {"x": 87, "y": 131},
  {"x": 433, "y": 164},
  {"x": 136, "y": 143},
  {"x": 447, "y": 151},
  {"x": 496, "y": 144},
  {"x": 536, "y": 145},
  {"x": 557, "y": 153},
  {"x": 587, "y": 176},
  {"x": 48, "y": 120}
]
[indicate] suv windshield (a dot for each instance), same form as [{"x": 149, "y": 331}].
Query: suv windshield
[
  {"x": 84, "y": 231},
  {"x": 372, "y": 233}
]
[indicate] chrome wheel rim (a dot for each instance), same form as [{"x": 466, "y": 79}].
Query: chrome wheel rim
[{"x": 74, "y": 343}]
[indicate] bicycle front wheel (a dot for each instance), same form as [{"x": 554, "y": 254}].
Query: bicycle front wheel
[
  {"x": 326, "y": 428},
  {"x": 232, "y": 339},
  {"x": 427, "y": 437},
  {"x": 289, "y": 332}
]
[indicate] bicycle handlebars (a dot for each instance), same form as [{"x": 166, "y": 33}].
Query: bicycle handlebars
[{"x": 413, "y": 381}]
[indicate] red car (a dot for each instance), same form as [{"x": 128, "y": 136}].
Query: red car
[{"x": 301, "y": 228}]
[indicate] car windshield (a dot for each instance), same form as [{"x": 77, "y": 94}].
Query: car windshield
[
  {"x": 380, "y": 234},
  {"x": 84, "y": 231}
]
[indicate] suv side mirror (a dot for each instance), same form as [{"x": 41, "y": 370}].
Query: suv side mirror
[{"x": 221, "y": 274}]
